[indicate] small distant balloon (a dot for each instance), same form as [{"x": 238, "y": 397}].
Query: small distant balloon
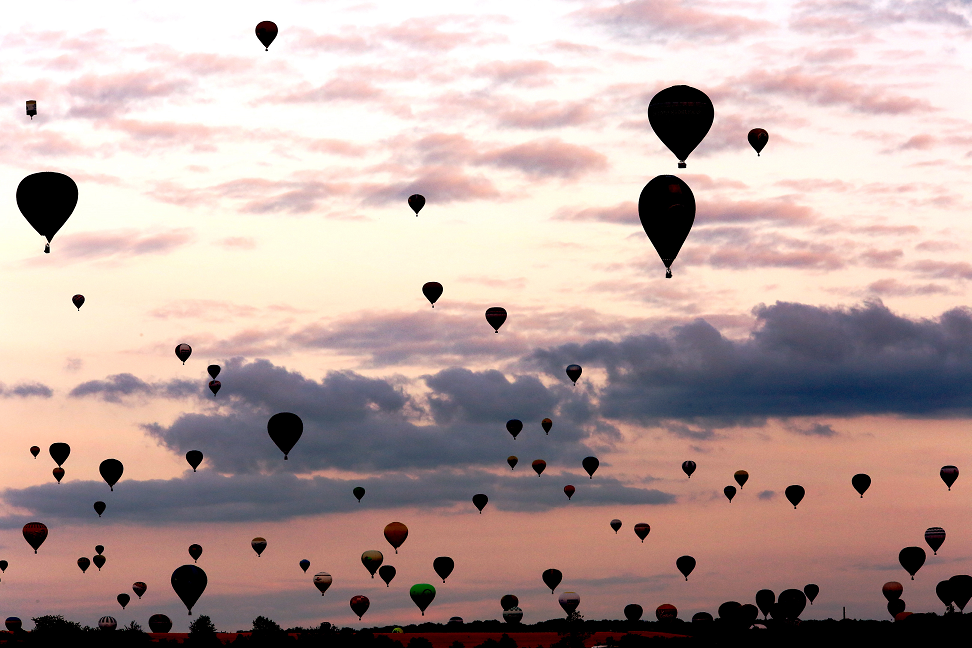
[
  {"x": 443, "y": 566},
  {"x": 395, "y": 534},
  {"x": 590, "y": 465},
  {"x": 912, "y": 558},
  {"x": 266, "y": 31},
  {"x": 100, "y": 507},
  {"x": 741, "y": 477},
  {"x": 194, "y": 457},
  {"x": 34, "y": 450},
  {"x": 111, "y": 471},
  {"x": 538, "y": 466},
  {"x": 358, "y": 492},
  {"x": 811, "y": 592},
  {"x": 688, "y": 467},
  {"x": 432, "y": 291},
  {"x": 386, "y": 573},
  {"x": 213, "y": 371},
  {"x": 416, "y": 202},
  {"x": 685, "y": 564},
  {"x": 480, "y": 501},
  {"x": 259, "y": 545},
  {"x": 616, "y": 525},
  {"x": 189, "y": 582},
  {"x": 183, "y": 351},
  {"x": 78, "y": 301},
  {"x": 546, "y": 424},
  {"x": 322, "y": 580},
  {"x": 574, "y": 372},
  {"x": 3, "y": 565},
  {"x": 195, "y": 551},
  {"x": 642, "y": 529},
  {"x": 99, "y": 549},
  {"x": 569, "y": 491},
  {"x": 304, "y": 565},
  {"x": 139, "y": 588},
  {"x": 58, "y": 474},
  {"x": 633, "y": 612},
  {"x": 99, "y": 561},
  {"x": 512, "y": 460},
  {"x": 758, "y": 139},
  {"x": 795, "y": 494},
  {"x": 949, "y": 475},
  {"x": 514, "y": 427},
  {"x": 496, "y": 316},
  {"x": 360, "y": 605},
  {"x": 214, "y": 386},
  {"x": 861, "y": 483},
  {"x": 84, "y": 563},
  {"x": 35, "y": 534},
  {"x": 285, "y": 429},
  {"x": 31, "y": 108},
  {"x": 569, "y": 601},
  {"x": 552, "y": 578},
  {"x": 935, "y": 536},
  {"x": 730, "y": 492}
]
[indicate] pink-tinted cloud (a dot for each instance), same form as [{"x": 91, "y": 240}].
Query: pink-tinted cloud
[
  {"x": 99, "y": 96},
  {"x": 943, "y": 269},
  {"x": 893, "y": 288},
  {"x": 340, "y": 89},
  {"x": 781, "y": 210},
  {"x": 439, "y": 184},
  {"x": 548, "y": 158},
  {"x": 119, "y": 244},
  {"x": 545, "y": 114},
  {"x": 299, "y": 195},
  {"x": 841, "y": 17},
  {"x": 623, "y": 213},
  {"x": 238, "y": 243},
  {"x": 522, "y": 73},
  {"x": 700, "y": 21}
]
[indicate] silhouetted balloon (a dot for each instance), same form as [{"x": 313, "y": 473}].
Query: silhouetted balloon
[
  {"x": 944, "y": 592},
  {"x": 416, "y": 202},
  {"x": 685, "y": 565},
  {"x": 795, "y": 494},
  {"x": 3, "y": 565},
  {"x": 259, "y": 545},
  {"x": 569, "y": 491},
  {"x": 35, "y": 534},
  {"x": 811, "y": 592},
  {"x": 123, "y": 600},
  {"x": 730, "y": 492},
  {"x": 266, "y": 31},
  {"x": 935, "y": 536},
  {"x": 961, "y": 590},
  {"x": 912, "y": 558},
  {"x": 100, "y": 507},
  {"x": 443, "y": 566},
  {"x": 701, "y": 617},
  {"x": 688, "y": 467},
  {"x": 480, "y": 501},
  {"x": 574, "y": 372},
  {"x": 496, "y": 316},
  {"x": 189, "y": 582},
  {"x": 741, "y": 477},
  {"x": 765, "y": 598},
  {"x": 386, "y": 573},
  {"x": 590, "y": 465},
  {"x": 552, "y": 578},
  {"x": 892, "y": 590},
  {"x": 861, "y": 483},
  {"x": 569, "y": 601},
  {"x": 666, "y": 612},
  {"x": 47, "y": 199},
  {"x": 512, "y": 460},
  {"x": 183, "y": 351},
  {"x": 667, "y": 211},
  {"x": 395, "y": 534},
  {"x": 213, "y": 371},
  {"x": 285, "y": 429},
  {"x": 514, "y": 427},
  {"x": 58, "y": 474},
  {"x": 34, "y": 450},
  {"x": 546, "y": 424},
  {"x": 214, "y": 386},
  {"x": 111, "y": 471},
  {"x": 792, "y": 603},
  {"x": 304, "y": 565},
  {"x": 681, "y": 116},
  {"x": 432, "y": 291},
  {"x": 758, "y": 139},
  {"x": 194, "y": 457},
  {"x": 896, "y": 607},
  {"x": 729, "y": 611},
  {"x": 13, "y": 624},
  {"x": 60, "y": 452},
  {"x": 322, "y": 580},
  {"x": 160, "y": 623},
  {"x": 99, "y": 561},
  {"x": 422, "y": 595},
  {"x": 509, "y": 601},
  {"x": 615, "y": 524},
  {"x": 747, "y": 615},
  {"x": 642, "y": 529},
  {"x": 358, "y": 492},
  {"x": 513, "y": 616},
  {"x": 78, "y": 300},
  {"x": 84, "y": 563},
  {"x": 99, "y": 549},
  {"x": 107, "y": 623},
  {"x": 538, "y": 466},
  {"x": 195, "y": 551},
  {"x": 949, "y": 475},
  {"x": 633, "y": 612}
]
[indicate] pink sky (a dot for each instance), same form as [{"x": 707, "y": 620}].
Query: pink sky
[{"x": 252, "y": 205}]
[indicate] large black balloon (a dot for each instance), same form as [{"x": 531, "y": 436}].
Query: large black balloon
[
  {"x": 514, "y": 427},
  {"x": 387, "y": 573},
  {"x": 667, "y": 211},
  {"x": 729, "y": 610},
  {"x": 285, "y": 430},
  {"x": 590, "y": 464},
  {"x": 949, "y": 474},
  {"x": 416, "y": 202},
  {"x": 944, "y": 592},
  {"x": 861, "y": 483},
  {"x": 443, "y": 566},
  {"x": 496, "y": 315},
  {"x": 480, "y": 500},
  {"x": 685, "y": 565},
  {"x": 811, "y": 591},
  {"x": 681, "y": 116},
  {"x": 730, "y": 492},
  {"x": 213, "y": 371},
  {"x": 912, "y": 558},
  {"x": 896, "y": 607},
  {"x": 60, "y": 452},
  {"x": 633, "y": 612},
  {"x": 99, "y": 508},
  {"x": 552, "y": 578},
  {"x": 266, "y": 31},
  {"x": 791, "y": 603},
  {"x": 961, "y": 590},
  {"x": 189, "y": 582},
  {"x": 194, "y": 457},
  {"x": 765, "y": 598},
  {"x": 111, "y": 471},
  {"x": 795, "y": 494},
  {"x": 47, "y": 199},
  {"x": 160, "y": 623},
  {"x": 432, "y": 291}
]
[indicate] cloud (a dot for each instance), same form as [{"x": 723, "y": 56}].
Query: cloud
[
  {"x": 518, "y": 73},
  {"x": 680, "y": 20},
  {"x": 106, "y": 95},
  {"x": 547, "y": 158},
  {"x": 26, "y": 390},
  {"x": 121, "y": 243},
  {"x": 623, "y": 213},
  {"x": 839, "y": 17},
  {"x": 114, "y": 388},
  {"x": 812, "y": 430},
  {"x": 766, "y": 495}
]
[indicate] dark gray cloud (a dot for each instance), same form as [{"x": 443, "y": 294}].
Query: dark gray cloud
[
  {"x": 766, "y": 495},
  {"x": 26, "y": 390},
  {"x": 114, "y": 388}
]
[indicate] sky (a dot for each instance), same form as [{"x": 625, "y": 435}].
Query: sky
[{"x": 251, "y": 203}]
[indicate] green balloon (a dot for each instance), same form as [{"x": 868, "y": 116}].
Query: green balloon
[
  {"x": 422, "y": 594},
  {"x": 358, "y": 492}
]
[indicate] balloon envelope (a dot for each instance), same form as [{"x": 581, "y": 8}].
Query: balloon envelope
[
  {"x": 100, "y": 507},
  {"x": 214, "y": 386},
  {"x": 322, "y": 580},
  {"x": 912, "y": 558},
  {"x": 642, "y": 530},
  {"x": 496, "y": 316},
  {"x": 961, "y": 590},
  {"x": 569, "y": 601},
  {"x": 304, "y": 565},
  {"x": 111, "y": 471},
  {"x": 667, "y": 211},
  {"x": 509, "y": 601},
  {"x": 58, "y": 474},
  {"x": 395, "y": 534},
  {"x": 574, "y": 372},
  {"x": 765, "y": 598},
  {"x": 99, "y": 561},
  {"x": 386, "y": 573},
  {"x": 569, "y": 491},
  {"x": 432, "y": 291},
  {"x": 259, "y": 545},
  {"x": 194, "y": 457},
  {"x": 13, "y": 624},
  {"x": 35, "y": 534},
  {"x": 551, "y": 578},
  {"x": 633, "y": 612},
  {"x": 35, "y": 450},
  {"x": 84, "y": 563},
  {"x": 358, "y": 492},
  {"x": 590, "y": 465},
  {"x": 107, "y": 623},
  {"x": 538, "y": 466},
  {"x": 935, "y": 536},
  {"x": 285, "y": 429},
  {"x": 512, "y": 460},
  {"x": 160, "y": 623},
  {"x": 546, "y": 424},
  {"x": 949, "y": 475},
  {"x": 189, "y": 582},
  {"x": 47, "y": 199},
  {"x": 60, "y": 452},
  {"x": 615, "y": 524},
  {"x": 372, "y": 560},
  {"x": 123, "y": 600},
  {"x": 666, "y": 612},
  {"x": 514, "y": 427},
  {"x": 758, "y": 139},
  {"x": 359, "y": 605},
  {"x": 422, "y": 595},
  {"x": 792, "y": 603},
  {"x": 213, "y": 371},
  {"x": 944, "y": 592},
  {"x": 730, "y": 492},
  {"x": 681, "y": 116},
  {"x": 195, "y": 551},
  {"x": 266, "y": 31},
  {"x": 795, "y": 494},
  {"x": 741, "y": 477},
  {"x": 861, "y": 483},
  {"x": 892, "y": 590},
  {"x": 811, "y": 591},
  {"x": 78, "y": 300},
  {"x": 479, "y": 501},
  {"x": 688, "y": 467},
  {"x": 513, "y": 615},
  {"x": 416, "y": 202},
  {"x": 896, "y": 607},
  {"x": 685, "y": 565},
  {"x": 99, "y": 549},
  {"x": 443, "y": 566},
  {"x": 183, "y": 351}
]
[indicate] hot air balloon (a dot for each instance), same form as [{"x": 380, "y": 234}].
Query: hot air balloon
[
  {"x": 666, "y": 612},
  {"x": 480, "y": 501},
  {"x": 123, "y": 600},
  {"x": 359, "y": 605},
  {"x": 552, "y": 578},
  {"x": 546, "y": 424},
  {"x": 422, "y": 594},
  {"x": 111, "y": 471},
  {"x": 949, "y": 475},
  {"x": 194, "y": 457},
  {"x": 633, "y": 612},
  {"x": 569, "y": 601},
  {"x": 569, "y": 491},
  {"x": 443, "y": 566},
  {"x": 667, "y": 211},
  {"x": 935, "y": 536},
  {"x": 757, "y": 139},
  {"x": 538, "y": 466},
  {"x": 31, "y": 108},
  {"x": 688, "y": 467},
  {"x": 642, "y": 530},
  {"x": 34, "y": 450},
  {"x": 258, "y": 544},
  {"x": 47, "y": 199},
  {"x": 322, "y": 580},
  {"x": 861, "y": 483},
  {"x": 432, "y": 290},
  {"x": 195, "y": 551},
  {"x": 615, "y": 524},
  {"x": 944, "y": 593},
  {"x": 574, "y": 372},
  {"x": 892, "y": 590},
  {"x": 681, "y": 116},
  {"x": 509, "y": 601},
  {"x": 512, "y": 460},
  {"x": 99, "y": 549},
  {"x": 3, "y": 565},
  {"x": 372, "y": 560},
  {"x": 416, "y": 202},
  {"x": 84, "y": 563},
  {"x": 35, "y": 534},
  {"x": 685, "y": 565},
  {"x": 304, "y": 565},
  {"x": 590, "y": 464},
  {"x": 189, "y": 582},
  {"x": 811, "y": 592},
  {"x": 795, "y": 494},
  {"x": 160, "y": 623},
  {"x": 961, "y": 590},
  {"x": 792, "y": 603},
  {"x": 358, "y": 492},
  {"x": 765, "y": 599},
  {"x": 896, "y": 607},
  {"x": 514, "y": 427},
  {"x": 266, "y": 31},
  {"x": 513, "y": 616},
  {"x": 107, "y": 623},
  {"x": 183, "y": 351},
  {"x": 395, "y": 534},
  {"x": 729, "y": 611},
  {"x": 496, "y": 316},
  {"x": 912, "y": 558},
  {"x": 285, "y": 430},
  {"x": 213, "y": 371},
  {"x": 214, "y": 386},
  {"x": 99, "y": 561},
  {"x": 730, "y": 492},
  {"x": 741, "y": 477},
  {"x": 58, "y": 474},
  {"x": 60, "y": 452},
  {"x": 386, "y": 573},
  {"x": 78, "y": 300}
]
